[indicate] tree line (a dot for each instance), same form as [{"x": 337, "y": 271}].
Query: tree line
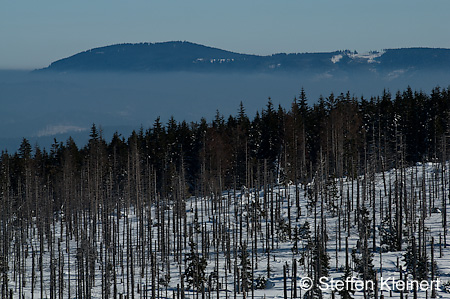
[{"x": 338, "y": 131}]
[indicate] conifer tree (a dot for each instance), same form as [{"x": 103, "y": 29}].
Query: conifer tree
[{"x": 195, "y": 269}]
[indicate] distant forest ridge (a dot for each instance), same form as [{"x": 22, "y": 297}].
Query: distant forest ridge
[
  {"x": 187, "y": 56},
  {"x": 342, "y": 132}
]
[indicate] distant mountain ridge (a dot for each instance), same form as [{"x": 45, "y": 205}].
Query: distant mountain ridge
[{"x": 187, "y": 56}]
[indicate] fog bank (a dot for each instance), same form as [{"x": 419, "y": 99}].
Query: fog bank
[{"x": 44, "y": 106}]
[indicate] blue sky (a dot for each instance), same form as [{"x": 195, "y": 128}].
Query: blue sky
[{"x": 33, "y": 33}]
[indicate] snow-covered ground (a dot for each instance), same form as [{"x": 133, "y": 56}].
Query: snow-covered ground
[{"x": 232, "y": 205}]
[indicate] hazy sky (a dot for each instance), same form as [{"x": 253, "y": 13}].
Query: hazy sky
[{"x": 33, "y": 33}]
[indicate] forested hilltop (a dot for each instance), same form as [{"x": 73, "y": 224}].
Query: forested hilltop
[
  {"x": 186, "y": 56},
  {"x": 207, "y": 206}
]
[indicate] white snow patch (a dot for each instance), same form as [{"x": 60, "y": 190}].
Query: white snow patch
[
  {"x": 336, "y": 58},
  {"x": 221, "y": 60},
  {"x": 369, "y": 56}
]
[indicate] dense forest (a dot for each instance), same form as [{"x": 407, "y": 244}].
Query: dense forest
[{"x": 197, "y": 209}]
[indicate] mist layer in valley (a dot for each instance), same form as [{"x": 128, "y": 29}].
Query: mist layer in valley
[{"x": 45, "y": 106}]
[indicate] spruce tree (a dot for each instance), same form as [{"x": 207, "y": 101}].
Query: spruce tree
[{"x": 195, "y": 269}]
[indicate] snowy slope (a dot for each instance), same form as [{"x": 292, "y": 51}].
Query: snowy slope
[{"x": 236, "y": 203}]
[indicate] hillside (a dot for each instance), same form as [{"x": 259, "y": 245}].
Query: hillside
[
  {"x": 146, "y": 249},
  {"x": 186, "y": 56},
  {"x": 237, "y": 207}
]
